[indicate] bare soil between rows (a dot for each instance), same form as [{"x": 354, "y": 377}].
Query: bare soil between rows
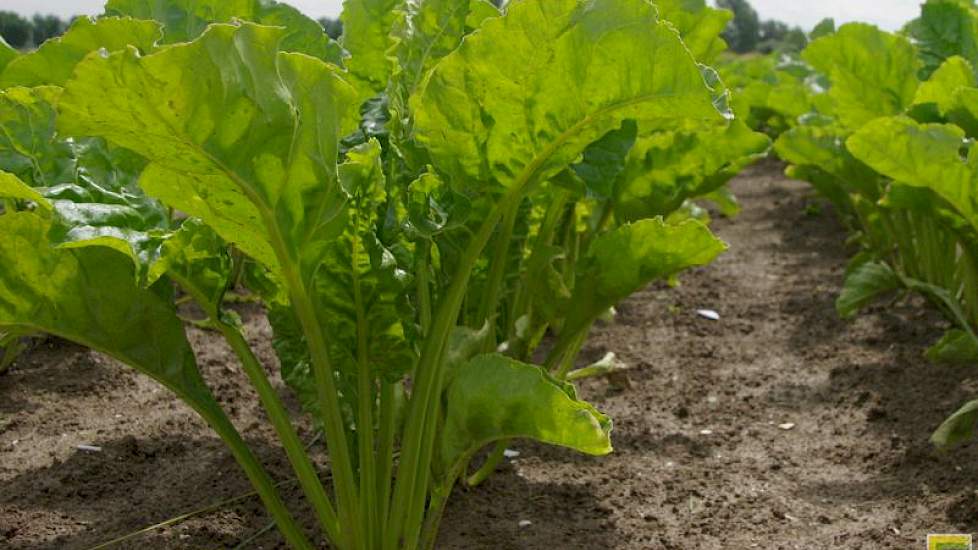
[{"x": 702, "y": 458}]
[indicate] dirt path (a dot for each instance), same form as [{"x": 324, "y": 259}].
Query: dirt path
[{"x": 701, "y": 460}]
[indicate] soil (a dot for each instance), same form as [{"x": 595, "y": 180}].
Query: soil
[{"x": 778, "y": 426}]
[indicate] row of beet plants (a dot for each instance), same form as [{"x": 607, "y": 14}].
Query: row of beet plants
[
  {"x": 418, "y": 206},
  {"x": 889, "y": 139}
]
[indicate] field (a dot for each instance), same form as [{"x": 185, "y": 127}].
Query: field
[
  {"x": 464, "y": 274},
  {"x": 855, "y": 471}
]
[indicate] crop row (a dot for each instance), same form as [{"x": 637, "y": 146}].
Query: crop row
[{"x": 423, "y": 207}]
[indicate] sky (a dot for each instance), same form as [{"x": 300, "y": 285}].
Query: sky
[{"x": 889, "y": 14}]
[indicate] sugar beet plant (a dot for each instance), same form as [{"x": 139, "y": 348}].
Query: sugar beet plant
[
  {"x": 891, "y": 142},
  {"x": 416, "y": 206}
]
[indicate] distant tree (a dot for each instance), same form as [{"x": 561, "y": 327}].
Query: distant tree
[
  {"x": 825, "y": 27},
  {"x": 47, "y": 27},
  {"x": 17, "y": 31},
  {"x": 333, "y": 27},
  {"x": 776, "y": 36},
  {"x": 743, "y": 32}
]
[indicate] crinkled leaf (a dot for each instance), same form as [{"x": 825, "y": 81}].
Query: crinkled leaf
[
  {"x": 56, "y": 59},
  {"x": 873, "y": 73},
  {"x": 90, "y": 185},
  {"x": 89, "y": 296},
  {"x": 940, "y": 90},
  {"x": 864, "y": 285},
  {"x": 197, "y": 259},
  {"x": 367, "y": 37},
  {"x": 185, "y": 20},
  {"x": 624, "y": 260},
  {"x": 825, "y": 149},
  {"x": 958, "y": 428},
  {"x": 520, "y": 100},
  {"x": 956, "y": 346},
  {"x": 238, "y": 134},
  {"x": 493, "y": 397},
  {"x": 668, "y": 168},
  {"x": 944, "y": 29},
  {"x": 604, "y": 159},
  {"x": 699, "y": 25},
  {"x": 922, "y": 155}
]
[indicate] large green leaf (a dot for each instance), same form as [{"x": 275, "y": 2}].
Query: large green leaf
[
  {"x": 56, "y": 59},
  {"x": 521, "y": 99},
  {"x": 626, "y": 259},
  {"x": 873, "y": 73},
  {"x": 943, "y": 85},
  {"x": 824, "y": 149},
  {"x": 698, "y": 24},
  {"x": 945, "y": 28},
  {"x": 668, "y": 168},
  {"x": 185, "y": 20},
  {"x": 89, "y": 296},
  {"x": 238, "y": 134},
  {"x": 492, "y": 398},
  {"x": 7, "y": 54},
  {"x": 922, "y": 155},
  {"x": 91, "y": 186},
  {"x": 367, "y": 26}
]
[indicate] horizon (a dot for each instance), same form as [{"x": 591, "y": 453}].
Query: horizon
[{"x": 887, "y": 14}]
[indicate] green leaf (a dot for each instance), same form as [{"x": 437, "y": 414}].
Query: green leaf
[
  {"x": 666, "y": 169},
  {"x": 624, "y": 260},
  {"x": 56, "y": 59},
  {"x": 185, "y": 20},
  {"x": 873, "y": 73},
  {"x": 523, "y": 98},
  {"x": 367, "y": 26},
  {"x": 89, "y": 296},
  {"x": 945, "y": 29},
  {"x": 699, "y": 25},
  {"x": 825, "y": 149},
  {"x": 7, "y": 54},
  {"x": 493, "y": 397},
  {"x": 11, "y": 187},
  {"x": 956, "y": 72},
  {"x": 921, "y": 155},
  {"x": 90, "y": 186},
  {"x": 864, "y": 285},
  {"x": 238, "y": 134},
  {"x": 959, "y": 428},
  {"x": 956, "y": 346},
  {"x": 605, "y": 159},
  {"x": 198, "y": 260}
]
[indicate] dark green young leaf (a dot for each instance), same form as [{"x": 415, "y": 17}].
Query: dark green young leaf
[
  {"x": 958, "y": 428},
  {"x": 956, "y": 346},
  {"x": 864, "y": 285},
  {"x": 944, "y": 29}
]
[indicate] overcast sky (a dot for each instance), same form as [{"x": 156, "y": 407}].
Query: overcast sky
[{"x": 890, "y": 14}]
